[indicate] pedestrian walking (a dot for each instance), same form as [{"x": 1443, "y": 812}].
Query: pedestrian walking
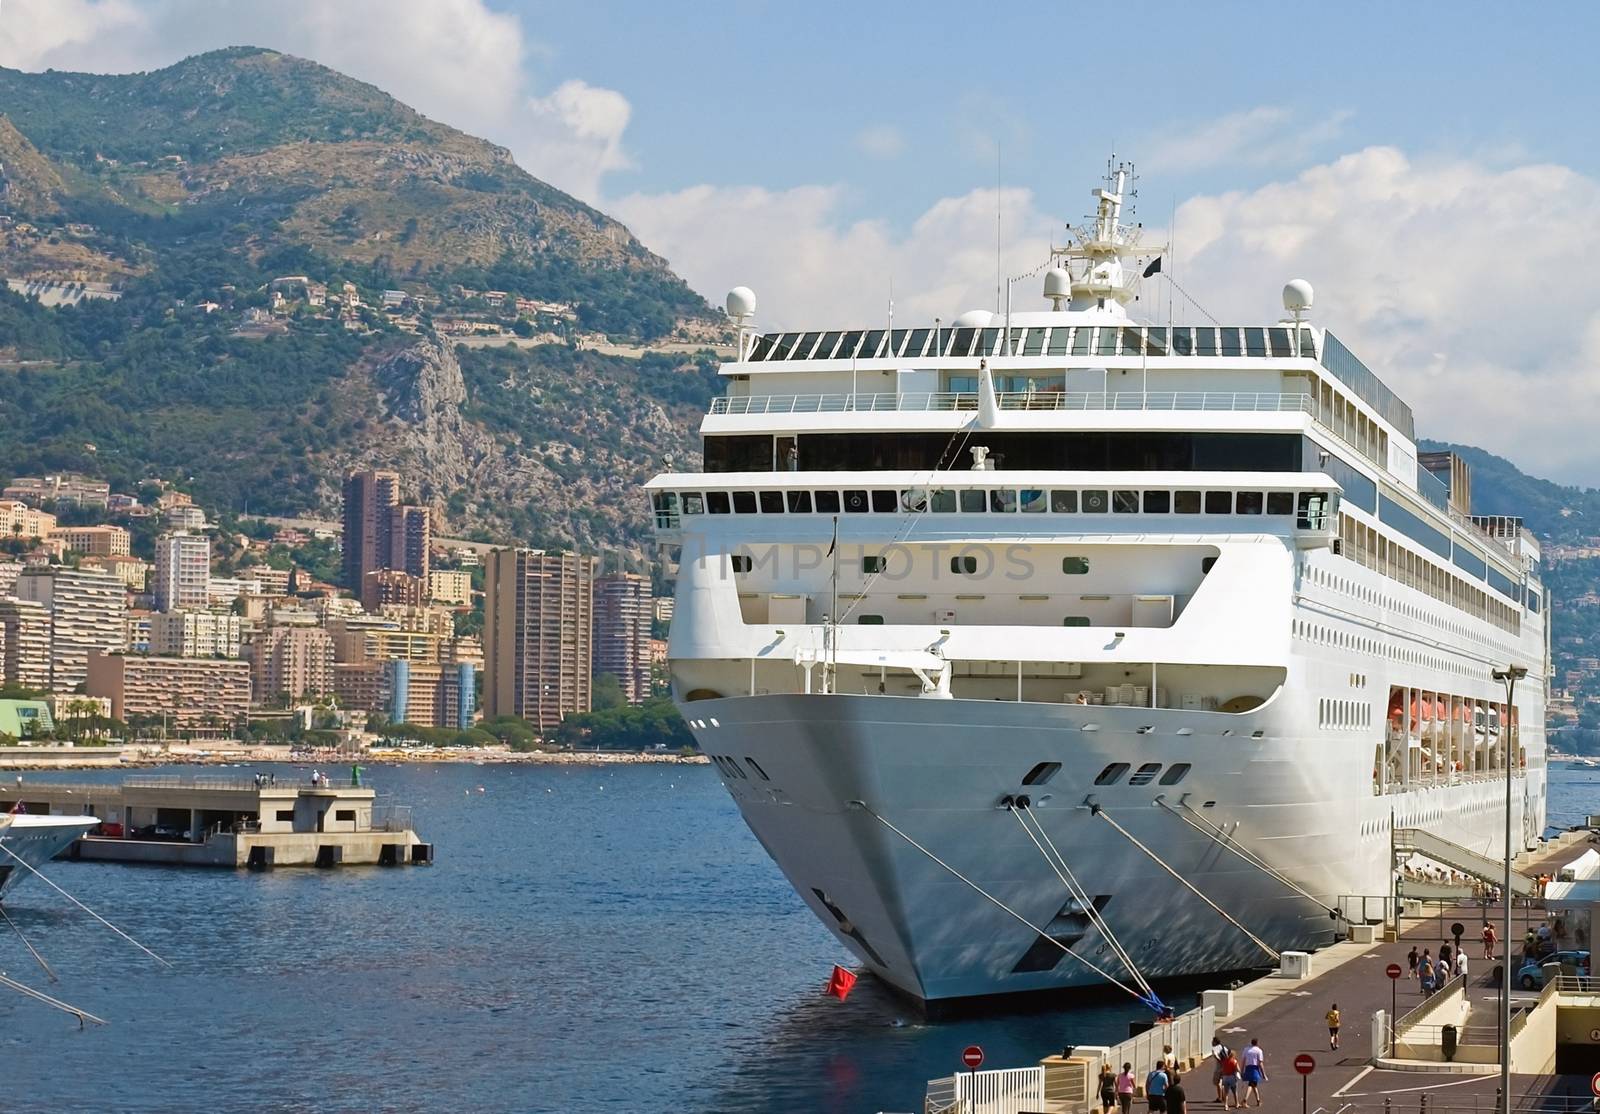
[
  {"x": 1125, "y": 1089},
  {"x": 1461, "y": 964},
  {"x": 1255, "y": 1071},
  {"x": 1177, "y": 1100},
  {"x": 1411, "y": 959},
  {"x": 1155, "y": 1089},
  {"x": 1444, "y": 956},
  {"x": 1219, "y": 1052},
  {"x": 1425, "y": 974},
  {"x": 1230, "y": 1080},
  {"x": 1108, "y": 1088},
  {"x": 1488, "y": 940},
  {"x": 1333, "y": 1028}
]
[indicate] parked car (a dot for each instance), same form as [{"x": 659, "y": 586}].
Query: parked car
[
  {"x": 163, "y": 833},
  {"x": 1531, "y": 977}
]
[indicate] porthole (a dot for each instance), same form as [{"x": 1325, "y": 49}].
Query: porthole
[
  {"x": 756, "y": 766},
  {"x": 964, "y": 564},
  {"x": 1111, "y": 774},
  {"x": 1075, "y": 566},
  {"x": 1042, "y": 773},
  {"x": 1145, "y": 774},
  {"x": 741, "y": 562},
  {"x": 1175, "y": 773}
]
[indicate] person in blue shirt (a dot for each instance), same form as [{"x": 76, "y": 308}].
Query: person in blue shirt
[{"x": 1155, "y": 1089}]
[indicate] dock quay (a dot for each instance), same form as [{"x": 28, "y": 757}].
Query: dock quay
[
  {"x": 1395, "y": 1055},
  {"x": 256, "y": 822}
]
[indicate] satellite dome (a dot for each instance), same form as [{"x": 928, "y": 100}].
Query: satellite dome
[
  {"x": 1057, "y": 285},
  {"x": 741, "y": 303},
  {"x": 1297, "y": 296},
  {"x": 973, "y": 319}
]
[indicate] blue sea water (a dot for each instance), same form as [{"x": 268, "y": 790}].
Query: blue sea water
[{"x": 590, "y": 939}]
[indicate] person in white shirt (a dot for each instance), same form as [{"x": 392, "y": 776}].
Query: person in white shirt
[{"x": 1461, "y": 964}]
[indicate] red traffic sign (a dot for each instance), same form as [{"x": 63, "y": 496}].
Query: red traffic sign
[
  {"x": 972, "y": 1056},
  {"x": 1594, "y": 1084},
  {"x": 1305, "y": 1064},
  {"x": 1393, "y": 971}
]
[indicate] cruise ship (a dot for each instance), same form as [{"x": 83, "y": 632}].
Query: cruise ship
[
  {"x": 31, "y": 841},
  {"x": 1052, "y": 647}
]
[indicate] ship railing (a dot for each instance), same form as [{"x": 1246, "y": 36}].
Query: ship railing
[{"x": 1042, "y": 400}]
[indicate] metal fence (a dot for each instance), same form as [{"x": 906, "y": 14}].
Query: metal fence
[{"x": 389, "y": 817}]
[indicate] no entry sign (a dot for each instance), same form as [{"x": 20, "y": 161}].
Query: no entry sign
[
  {"x": 1305, "y": 1064},
  {"x": 1393, "y": 971},
  {"x": 972, "y": 1057},
  {"x": 1594, "y": 1084}
]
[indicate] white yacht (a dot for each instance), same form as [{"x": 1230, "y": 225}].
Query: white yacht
[
  {"x": 35, "y": 840},
  {"x": 1051, "y": 647}
]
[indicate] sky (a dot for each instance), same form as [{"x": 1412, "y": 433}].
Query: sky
[{"x": 1427, "y": 166}]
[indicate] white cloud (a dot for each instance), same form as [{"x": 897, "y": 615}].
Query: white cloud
[
  {"x": 881, "y": 141},
  {"x": 808, "y": 264},
  {"x": 456, "y": 61},
  {"x": 1261, "y": 136},
  {"x": 1460, "y": 284}
]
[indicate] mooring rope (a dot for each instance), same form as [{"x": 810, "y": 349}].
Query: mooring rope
[
  {"x": 56, "y": 1003},
  {"x": 84, "y": 907},
  {"x": 1223, "y": 839}
]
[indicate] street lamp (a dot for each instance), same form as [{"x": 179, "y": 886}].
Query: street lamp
[{"x": 1511, "y": 674}]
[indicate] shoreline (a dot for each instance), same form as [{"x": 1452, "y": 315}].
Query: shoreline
[{"x": 189, "y": 754}]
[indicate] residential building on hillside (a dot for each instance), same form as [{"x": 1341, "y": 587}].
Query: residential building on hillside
[
  {"x": 622, "y": 623},
  {"x": 185, "y": 518},
  {"x": 18, "y": 520},
  {"x": 450, "y": 586},
  {"x": 538, "y": 631},
  {"x": 404, "y": 691},
  {"x": 96, "y": 541},
  {"x": 24, "y": 643},
  {"x": 68, "y": 487},
  {"x": 9, "y": 571},
  {"x": 187, "y": 692},
  {"x": 274, "y": 582},
  {"x": 195, "y": 634},
  {"x": 391, "y": 586},
  {"x": 183, "y": 571},
  {"x": 429, "y": 620},
  {"x": 379, "y": 531},
  {"x": 138, "y": 627},
  {"x": 88, "y": 611},
  {"x": 224, "y": 590},
  {"x": 290, "y": 661},
  {"x": 132, "y": 571}
]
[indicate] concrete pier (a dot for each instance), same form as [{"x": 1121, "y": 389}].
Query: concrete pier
[{"x": 228, "y": 821}]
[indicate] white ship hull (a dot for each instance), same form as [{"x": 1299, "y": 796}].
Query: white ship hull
[
  {"x": 35, "y": 840},
  {"x": 938, "y": 771}
]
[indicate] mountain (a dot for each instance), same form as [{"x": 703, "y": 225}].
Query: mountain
[
  {"x": 251, "y": 272},
  {"x": 1553, "y": 512}
]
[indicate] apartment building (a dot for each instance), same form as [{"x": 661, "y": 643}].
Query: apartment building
[
  {"x": 622, "y": 618},
  {"x": 88, "y": 612},
  {"x": 538, "y": 632},
  {"x": 189, "y": 692},
  {"x": 183, "y": 571},
  {"x": 95, "y": 541},
  {"x": 195, "y": 634},
  {"x": 24, "y": 643}
]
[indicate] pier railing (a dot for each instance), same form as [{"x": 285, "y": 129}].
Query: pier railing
[{"x": 390, "y": 817}]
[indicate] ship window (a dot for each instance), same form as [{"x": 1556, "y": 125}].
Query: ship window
[
  {"x": 1033, "y": 501},
  {"x": 756, "y": 766},
  {"x": 744, "y": 502},
  {"x": 1156, "y": 340},
  {"x": 1255, "y": 342},
  {"x": 799, "y": 502},
  {"x": 964, "y": 564},
  {"x": 1280, "y": 342},
  {"x": 825, "y": 346},
  {"x": 847, "y": 345},
  {"x": 870, "y": 345},
  {"x": 1182, "y": 341},
  {"x": 1157, "y": 502},
  {"x": 943, "y": 501},
  {"x": 782, "y": 346},
  {"x": 1131, "y": 341},
  {"x": 771, "y": 502},
  {"x": 1175, "y": 773},
  {"x": 1125, "y": 502},
  {"x": 1033, "y": 343},
  {"x": 986, "y": 342},
  {"x": 1219, "y": 502},
  {"x": 693, "y": 503},
  {"x": 1186, "y": 502},
  {"x": 717, "y": 502},
  {"x": 1205, "y": 341},
  {"x": 1280, "y": 502},
  {"x": 885, "y": 502},
  {"x": 963, "y": 384},
  {"x": 1003, "y": 501},
  {"x": 1042, "y": 773},
  {"x": 1075, "y": 621},
  {"x": 1095, "y": 502},
  {"x": 871, "y": 563},
  {"x": 972, "y": 501},
  {"x": 914, "y": 499},
  {"x": 1230, "y": 343},
  {"x": 1145, "y": 774},
  {"x": 1206, "y": 564},
  {"x": 870, "y": 620},
  {"x": 919, "y": 344},
  {"x": 855, "y": 502},
  {"x": 1249, "y": 502},
  {"x": 827, "y": 502},
  {"x": 961, "y": 342},
  {"x": 762, "y": 346},
  {"x": 803, "y": 348},
  {"x": 1111, "y": 774},
  {"x": 1064, "y": 502},
  {"x": 1075, "y": 566},
  {"x": 741, "y": 562},
  {"x": 896, "y": 340},
  {"x": 1313, "y": 511},
  {"x": 1106, "y": 344},
  {"x": 1082, "y": 337}
]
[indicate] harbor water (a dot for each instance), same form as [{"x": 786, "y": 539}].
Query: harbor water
[{"x": 591, "y": 938}]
